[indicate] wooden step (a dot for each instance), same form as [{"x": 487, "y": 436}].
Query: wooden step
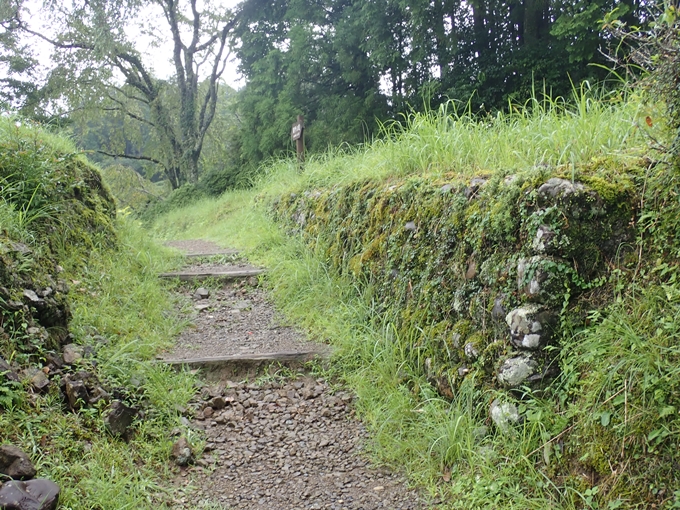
[
  {"x": 211, "y": 254},
  {"x": 226, "y": 274},
  {"x": 246, "y": 358},
  {"x": 245, "y": 365}
]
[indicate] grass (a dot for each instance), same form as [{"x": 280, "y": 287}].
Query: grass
[
  {"x": 542, "y": 133},
  {"x": 440, "y": 443},
  {"x": 117, "y": 297}
]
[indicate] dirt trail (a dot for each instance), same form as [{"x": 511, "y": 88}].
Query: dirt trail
[{"x": 286, "y": 443}]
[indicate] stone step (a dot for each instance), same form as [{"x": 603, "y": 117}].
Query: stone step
[
  {"x": 226, "y": 274},
  {"x": 245, "y": 365}
]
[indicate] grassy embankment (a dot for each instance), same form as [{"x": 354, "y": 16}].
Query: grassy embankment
[
  {"x": 616, "y": 403},
  {"x": 117, "y": 306}
]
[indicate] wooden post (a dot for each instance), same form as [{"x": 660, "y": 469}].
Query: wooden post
[{"x": 297, "y": 133}]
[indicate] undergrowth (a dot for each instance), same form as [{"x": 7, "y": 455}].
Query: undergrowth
[
  {"x": 118, "y": 305},
  {"x": 604, "y": 435},
  {"x": 545, "y": 132},
  {"x": 58, "y": 232}
]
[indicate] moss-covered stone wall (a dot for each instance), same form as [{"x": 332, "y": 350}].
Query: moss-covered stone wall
[{"x": 488, "y": 269}]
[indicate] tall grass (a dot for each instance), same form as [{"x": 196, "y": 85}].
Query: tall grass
[{"x": 550, "y": 132}]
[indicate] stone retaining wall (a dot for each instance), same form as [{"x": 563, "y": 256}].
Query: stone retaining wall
[{"x": 489, "y": 270}]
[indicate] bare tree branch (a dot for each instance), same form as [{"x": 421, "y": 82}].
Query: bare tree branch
[{"x": 129, "y": 156}]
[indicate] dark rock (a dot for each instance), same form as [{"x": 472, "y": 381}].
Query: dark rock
[
  {"x": 217, "y": 402},
  {"x": 76, "y": 393},
  {"x": 119, "y": 418},
  {"x": 72, "y": 353},
  {"x": 498, "y": 310},
  {"x": 472, "y": 190},
  {"x": 54, "y": 361},
  {"x": 33, "y": 298},
  {"x": 98, "y": 394},
  {"x": 15, "y": 463},
  {"x": 515, "y": 371},
  {"x": 6, "y": 369},
  {"x": 14, "y": 306},
  {"x": 31, "y": 495},
  {"x": 39, "y": 380},
  {"x": 46, "y": 292},
  {"x": 531, "y": 326},
  {"x": 182, "y": 452},
  {"x": 62, "y": 287}
]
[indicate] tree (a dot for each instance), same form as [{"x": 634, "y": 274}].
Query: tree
[
  {"x": 17, "y": 83},
  {"x": 99, "y": 64},
  {"x": 302, "y": 57}
]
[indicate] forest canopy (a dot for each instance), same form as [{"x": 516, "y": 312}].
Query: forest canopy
[{"x": 347, "y": 66}]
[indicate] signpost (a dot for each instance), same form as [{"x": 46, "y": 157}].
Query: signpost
[{"x": 297, "y": 133}]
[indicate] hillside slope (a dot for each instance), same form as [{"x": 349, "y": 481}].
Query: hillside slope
[{"x": 81, "y": 311}]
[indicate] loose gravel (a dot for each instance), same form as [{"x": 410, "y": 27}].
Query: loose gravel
[
  {"x": 234, "y": 319},
  {"x": 288, "y": 445}
]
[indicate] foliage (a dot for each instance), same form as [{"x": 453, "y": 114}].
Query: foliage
[
  {"x": 92, "y": 49},
  {"x": 122, "y": 302},
  {"x": 310, "y": 59},
  {"x": 130, "y": 189},
  {"x": 17, "y": 62},
  {"x": 657, "y": 51},
  {"x": 51, "y": 186},
  {"x": 181, "y": 197}
]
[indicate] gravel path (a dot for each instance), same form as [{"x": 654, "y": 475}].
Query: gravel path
[
  {"x": 199, "y": 246},
  {"x": 287, "y": 444},
  {"x": 235, "y": 318}
]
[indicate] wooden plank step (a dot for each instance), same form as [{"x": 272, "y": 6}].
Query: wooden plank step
[
  {"x": 299, "y": 356},
  {"x": 211, "y": 254},
  {"x": 224, "y": 368},
  {"x": 227, "y": 274}
]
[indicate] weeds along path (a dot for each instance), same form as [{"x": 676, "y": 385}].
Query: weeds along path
[{"x": 275, "y": 440}]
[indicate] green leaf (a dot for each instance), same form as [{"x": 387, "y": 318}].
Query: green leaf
[{"x": 605, "y": 418}]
